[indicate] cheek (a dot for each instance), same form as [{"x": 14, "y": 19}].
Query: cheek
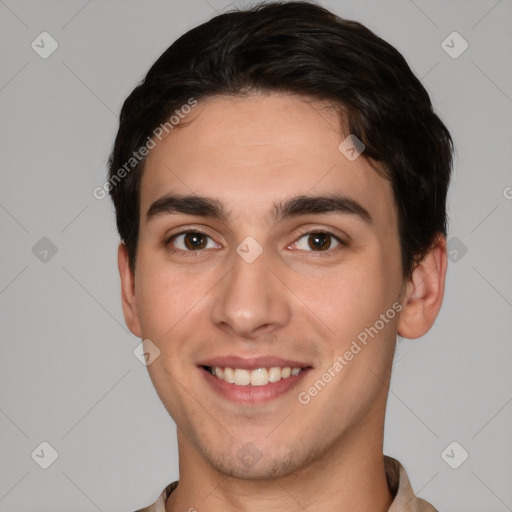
[
  {"x": 358, "y": 294},
  {"x": 164, "y": 296},
  {"x": 172, "y": 303}
]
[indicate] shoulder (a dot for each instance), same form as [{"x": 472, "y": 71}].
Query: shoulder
[
  {"x": 159, "y": 504},
  {"x": 404, "y": 498}
]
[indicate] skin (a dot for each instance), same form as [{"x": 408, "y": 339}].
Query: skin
[{"x": 291, "y": 302}]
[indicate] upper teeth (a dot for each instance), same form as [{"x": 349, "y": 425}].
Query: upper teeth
[{"x": 257, "y": 377}]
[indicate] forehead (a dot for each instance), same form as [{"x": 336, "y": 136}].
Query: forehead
[{"x": 249, "y": 152}]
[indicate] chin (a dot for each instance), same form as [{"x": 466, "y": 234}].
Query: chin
[{"x": 252, "y": 463}]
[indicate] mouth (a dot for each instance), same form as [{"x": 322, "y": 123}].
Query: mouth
[
  {"x": 253, "y": 380},
  {"x": 256, "y": 377}
]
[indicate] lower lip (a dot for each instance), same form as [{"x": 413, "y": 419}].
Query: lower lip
[{"x": 253, "y": 394}]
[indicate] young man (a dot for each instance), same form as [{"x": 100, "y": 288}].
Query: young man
[{"x": 280, "y": 180}]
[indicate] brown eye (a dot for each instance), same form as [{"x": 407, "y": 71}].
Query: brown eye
[
  {"x": 191, "y": 241},
  {"x": 318, "y": 241},
  {"x": 194, "y": 241}
]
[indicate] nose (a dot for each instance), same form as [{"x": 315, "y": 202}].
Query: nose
[{"x": 251, "y": 300}]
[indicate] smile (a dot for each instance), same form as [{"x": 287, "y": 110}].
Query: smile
[{"x": 256, "y": 377}]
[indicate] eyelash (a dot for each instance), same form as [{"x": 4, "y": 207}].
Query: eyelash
[{"x": 195, "y": 254}]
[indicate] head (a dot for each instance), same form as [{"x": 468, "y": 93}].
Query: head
[{"x": 298, "y": 250}]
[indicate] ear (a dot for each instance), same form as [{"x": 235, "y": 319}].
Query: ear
[
  {"x": 424, "y": 292},
  {"x": 131, "y": 316}
]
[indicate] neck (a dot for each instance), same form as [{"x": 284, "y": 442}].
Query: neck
[{"x": 349, "y": 476}]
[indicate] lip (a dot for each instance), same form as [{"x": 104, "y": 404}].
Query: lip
[
  {"x": 253, "y": 394},
  {"x": 252, "y": 363}
]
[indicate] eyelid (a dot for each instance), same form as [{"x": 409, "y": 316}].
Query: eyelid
[
  {"x": 319, "y": 228},
  {"x": 181, "y": 230}
]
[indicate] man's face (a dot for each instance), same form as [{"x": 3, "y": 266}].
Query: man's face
[{"x": 212, "y": 299}]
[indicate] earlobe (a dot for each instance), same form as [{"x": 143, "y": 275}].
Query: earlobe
[
  {"x": 424, "y": 292},
  {"x": 128, "y": 291}
]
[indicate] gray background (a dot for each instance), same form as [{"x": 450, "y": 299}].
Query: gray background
[{"x": 68, "y": 375}]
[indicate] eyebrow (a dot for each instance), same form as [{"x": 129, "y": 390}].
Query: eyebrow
[{"x": 299, "y": 205}]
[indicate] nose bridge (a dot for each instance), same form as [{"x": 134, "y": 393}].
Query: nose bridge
[{"x": 250, "y": 297}]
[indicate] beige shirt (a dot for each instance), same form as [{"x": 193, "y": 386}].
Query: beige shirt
[{"x": 398, "y": 482}]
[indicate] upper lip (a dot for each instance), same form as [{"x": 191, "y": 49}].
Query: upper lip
[{"x": 252, "y": 363}]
